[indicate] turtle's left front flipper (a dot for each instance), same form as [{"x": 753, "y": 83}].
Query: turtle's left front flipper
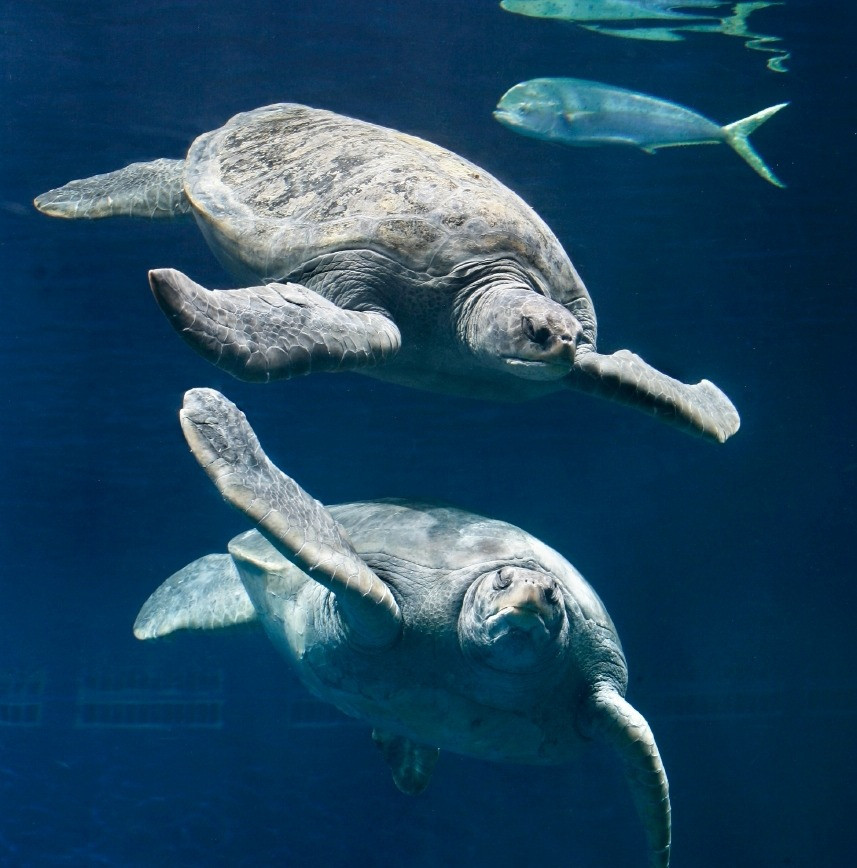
[
  {"x": 623, "y": 376},
  {"x": 298, "y": 526},
  {"x": 272, "y": 332}
]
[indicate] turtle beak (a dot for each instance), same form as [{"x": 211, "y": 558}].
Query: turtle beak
[
  {"x": 564, "y": 345},
  {"x": 524, "y": 608},
  {"x": 556, "y": 337}
]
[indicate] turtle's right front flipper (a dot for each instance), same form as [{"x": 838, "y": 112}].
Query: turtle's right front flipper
[
  {"x": 151, "y": 189},
  {"x": 298, "y": 526},
  {"x": 623, "y": 376},
  {"x": 273, "y": 332}
]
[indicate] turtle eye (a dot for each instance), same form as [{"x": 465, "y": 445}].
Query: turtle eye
[
  {"x": 551, "y": 594},
  {"x": 502, "y": 580},
  {"x": 537, "y": 334}
]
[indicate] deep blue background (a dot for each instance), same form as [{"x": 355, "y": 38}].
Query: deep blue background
[{"x": 729, "y": 571}]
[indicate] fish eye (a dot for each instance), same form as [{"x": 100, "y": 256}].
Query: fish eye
[{"x": 502, "y": 580}]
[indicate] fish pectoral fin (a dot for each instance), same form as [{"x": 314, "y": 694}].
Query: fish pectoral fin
[
  {"x": 576, "y": 115},
  {"x": 618, "y": 139}
]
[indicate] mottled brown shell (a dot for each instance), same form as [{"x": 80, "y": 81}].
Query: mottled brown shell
[{"x": 275, "y": 187}]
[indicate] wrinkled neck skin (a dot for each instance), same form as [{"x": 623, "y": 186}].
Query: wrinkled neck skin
[{"x": 509, "y": 326}]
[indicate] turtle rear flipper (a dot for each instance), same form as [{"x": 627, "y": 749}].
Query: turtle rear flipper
[
  {"x": 152, "y": 189},
  {"x": 623, "y": 376},
  {"x": 412, "y": 764},
  {"x": 204, "y": 595},
  {"x": 272, "y": 332}
]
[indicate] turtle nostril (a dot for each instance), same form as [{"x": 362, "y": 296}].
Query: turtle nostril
[{"x": 571, "y": 335}]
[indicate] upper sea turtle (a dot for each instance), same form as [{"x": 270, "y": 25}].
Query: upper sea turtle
[
  {"x": 380, "y": 252},
  {"x": 440, "y": 628}
]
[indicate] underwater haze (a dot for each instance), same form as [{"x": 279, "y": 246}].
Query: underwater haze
[{"x": 728, "y": 569}]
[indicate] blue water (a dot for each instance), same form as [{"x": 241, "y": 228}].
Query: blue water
[{"x": 729, "y": 570}]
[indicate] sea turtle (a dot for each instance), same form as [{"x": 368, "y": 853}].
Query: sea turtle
[
  {"x": 440, "y": 628},
  {"x": 378, "y": 252}
]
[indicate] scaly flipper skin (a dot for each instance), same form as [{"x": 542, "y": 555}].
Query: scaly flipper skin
[
  {"x": 294, "y": 523},
  {"x": 272, "y": 332},
  {"x": 623, "y": 376},
  {"x": 152, "y": 189},
  {"x": 609, "y": 718},
  {"x": 204, "y": 595}
]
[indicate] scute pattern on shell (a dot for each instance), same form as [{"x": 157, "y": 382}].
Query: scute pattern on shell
[{"x": 286, "y": 183}]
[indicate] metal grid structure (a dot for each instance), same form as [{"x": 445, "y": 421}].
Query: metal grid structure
[
  {"x": 22, "y": 698},
  {"x": 143, "y": 698}
]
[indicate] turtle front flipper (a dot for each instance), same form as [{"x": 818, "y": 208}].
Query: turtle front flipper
[
  {"x": 412, "y": 764},
  {"x": 272, "y": 332},
  {"x": 298, "y": 526},
  {"x": 623, "y": 376},
  {"x": 609, "y": 718},
  {"x": 151, "y": 189}
]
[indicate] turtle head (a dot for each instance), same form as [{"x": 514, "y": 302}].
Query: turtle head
[
  {"x": 523, "y": 333},
  {"x": 513, "y": 620}
]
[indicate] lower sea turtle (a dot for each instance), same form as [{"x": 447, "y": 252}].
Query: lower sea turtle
[
  {"x": 378, "y": 252},
  {"x": 440, "y": 628}
]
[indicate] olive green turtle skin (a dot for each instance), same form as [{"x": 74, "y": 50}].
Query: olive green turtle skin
[
  {"x": 441, "y": 629},
  {"x": 362, "y": 248}
]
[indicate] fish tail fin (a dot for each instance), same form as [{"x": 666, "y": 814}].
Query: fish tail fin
[{"x": 737, "y": 135}]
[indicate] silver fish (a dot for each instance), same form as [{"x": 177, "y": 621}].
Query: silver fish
[{"x": 573, "y": 111}]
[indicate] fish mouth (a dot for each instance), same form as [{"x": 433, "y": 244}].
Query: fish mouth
[{"x": 504, "y": 116}]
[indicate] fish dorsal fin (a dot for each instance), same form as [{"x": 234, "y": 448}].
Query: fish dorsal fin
[
  {"x": 204, "y": 595},
  {"x": 412, "y": 764}
]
